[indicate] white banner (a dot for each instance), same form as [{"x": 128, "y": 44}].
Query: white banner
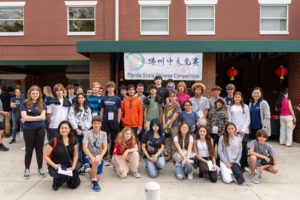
[{"x": 176, "y": 66}]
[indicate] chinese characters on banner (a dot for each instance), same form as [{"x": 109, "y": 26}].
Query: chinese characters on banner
[{"x": 176, "y": 66}]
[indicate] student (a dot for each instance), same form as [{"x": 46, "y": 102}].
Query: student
[
  {"x": 216, "y": 91},
  {"x": 125, "y": 155},
  {"x": 57, "y": 110},
  {"x": 200, "y": 103},
  {"x": 94, "y": 100},
  {"x": 47, "y": 91},
  {"x": 217, "y": 119},
  {"x": 132, "y": 111},
  {"x": 161, "y": 91},
  {"x": 123, "y": 92},
  {"x": 153, "y": 145},
  {"x": 140, "y": 92},
  {"x": 230, "y": 152},
  {"x": 238, "y": 113},
  {"x": 95, "y": 148},
  {"x": 80, "y": 118},
  {"x": 182, "y": 95},
  {"x": 62, "y": 153},
  {"x": 33, "y": 112},
  {"x": 2, "y": 115},
  {"x": 230, "y": 89},
  {"x": 171, "y": 86},
  {"x": 205, "y": 154},
  {"x": 15, "y": 103},
  {"x": 259, "y": 112},
  {"x": 110, "y": 114},
  {"x": 153, "y": 105},
  {"x": 89, "y": 92},
  {"x": 183, "y": 156},
  {"x": 71, "y": 92},
  {"x": 287, "y": 119},
  {"x": 79, "y": 90},
  {"x": 170, "y": 121},
  {"x": 262, "y": 157},
  {"x": 189, "y": 117}
]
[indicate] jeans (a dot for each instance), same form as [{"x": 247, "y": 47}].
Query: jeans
[
  {"x": 153, "y": 168},
  {"x": 14, "y": 124},
  {"x": 51, "y": 133},
  {"x": 183, "y": 170}
]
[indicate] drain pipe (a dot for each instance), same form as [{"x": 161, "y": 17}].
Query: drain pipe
[{"x": 117, "y": 20}]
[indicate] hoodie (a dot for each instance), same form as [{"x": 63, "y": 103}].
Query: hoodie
[{"x": 132, "y": 112}]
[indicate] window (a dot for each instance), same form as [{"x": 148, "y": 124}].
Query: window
[
  {"x": 274, "y": 16},
  {"x": 154, "y": 17},
  {"x": 200, "y": 17},
  {"x": 12, "y": 18},
  {"x": 81, "y": 17}
]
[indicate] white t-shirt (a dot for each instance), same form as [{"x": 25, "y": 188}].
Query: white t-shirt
[
  {"x": 182, "y": 147},
  {"x": 240, "y": 118},
  {"x": 58, "y": 113},
  {"x": 202, "y": 148}
]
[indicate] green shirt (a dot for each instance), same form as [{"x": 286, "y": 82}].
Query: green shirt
[{"x": 153, "y": 109}]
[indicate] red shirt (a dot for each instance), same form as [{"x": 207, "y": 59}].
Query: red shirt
[{"x": 117, "y": 150}]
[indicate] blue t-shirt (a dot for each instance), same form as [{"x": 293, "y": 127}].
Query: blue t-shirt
[
  {"x": 190, "y": 118},
  {"x": 32, "y": 112},
  {"x": 16, "y": 101},
  {"x": 94, "y": 103},
  {"x": 110, "y": 104},
  {"x": 255, "y": 116}
]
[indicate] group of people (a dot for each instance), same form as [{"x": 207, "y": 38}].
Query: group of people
[{"x": 87, "y": 131}]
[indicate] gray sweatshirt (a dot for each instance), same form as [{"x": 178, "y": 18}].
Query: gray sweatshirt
[
  {"x": 83, "y": 118},
  {"x": 231, "y": 153}
]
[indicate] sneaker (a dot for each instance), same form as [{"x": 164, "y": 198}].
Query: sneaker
[
  {"x": 246, "y": 169},
  {"x": 136, "y": 175},
  {"x": 107, "y": 163},
  {"x": 26, "y": 173},
  {"x": 41, "y": 172},
  {"x": 95, "y": 186},
  {"x": 3, "y": 148},
  {"x": 190, "y": 176},
  {"x": 55, "y": 187},
  {"x": 81, "y": 170},
  {"x": 12, "y": 141},
  {"x": 254, "y": 179},
  {"x": 180, "y": 177},
  {"x": 87, "y": 168}
]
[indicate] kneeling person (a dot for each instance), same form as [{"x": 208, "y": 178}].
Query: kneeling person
[{"x": 95, "y": 147}]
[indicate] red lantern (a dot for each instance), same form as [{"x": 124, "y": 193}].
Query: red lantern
[
  {"x": 232, "y": 72},
  {"x": 121, "y": 76},
  {"x": 18, "y": 83},
  {"x": 281, "y": 72}
]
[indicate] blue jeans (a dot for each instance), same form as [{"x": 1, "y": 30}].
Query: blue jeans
[
  {"x": 14, "y": 124},
  {"x": 153, "y": 168},
  {"x": 184, "y": 170},
  {"x": 51, "y": 133}
]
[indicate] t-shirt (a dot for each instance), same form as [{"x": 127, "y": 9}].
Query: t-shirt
[
  {"x": 58, "y": 113},
  {"x": 228, "y": 100},
  {"x": 202, "y": 148},
  {"x": 190, "y": 118},
  {"x": 255, "y": 116},
  {"x": 95, "y": 141},
  {"x": 32, "y": 112},
  {"x": 169, "y": 111},
  {"x": 153, "y": 109},
  {"x": 110, "y": 104},
  {"x": 263, "y": 149},
  {"x": 17, "y": 102},
  {"x": 94, "y": 103},
  {"x": 199, "y": 106},
  {"x": 153, "y": 146},
  {"x": 59, "y": 153},
  {"x": 191, "y": 140},
  {"x": 163, "y": 93},
  {"x": 117, "y": 147}
]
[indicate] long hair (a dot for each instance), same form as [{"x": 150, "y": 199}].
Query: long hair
[
  {"x": 182, "y": 83},
  {"x": 156, "y": 122},
  {"x": 186, "y": 141},
  {"x": 47, "y": 91},
  {"x": 211, "y": 149},
  {"x": 226, "y": 134},
  {"x": 278, "y": 103},
  {"x": 122, "y": 141},
  {"x": 242, "y": 100},
  {"x": 70, "y": 135},
  {"x": 261, "y": 97},
  {"x": 29, "y": 101},
  {"x": 77, "y": 104}
]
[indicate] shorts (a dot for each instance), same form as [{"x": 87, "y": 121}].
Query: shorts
[
  {"x": 100, "y": 167},
  {"x": 2, "y": 126}
]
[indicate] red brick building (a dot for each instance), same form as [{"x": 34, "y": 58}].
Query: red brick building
[{"x": 43, "y": 42}]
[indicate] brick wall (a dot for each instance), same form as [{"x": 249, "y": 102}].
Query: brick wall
[
  {"x": 294, "y": 88},
  {"x": 209, "y": 72},
  {"x": 100, "y": 68}
]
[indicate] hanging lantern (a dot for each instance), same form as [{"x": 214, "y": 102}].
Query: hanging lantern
[
  {"x": 18, "y": 83},
  {"x": 281, "y": 72},
  {"x": 232, "y": 72},
  {"x": 121, "y": 76}
]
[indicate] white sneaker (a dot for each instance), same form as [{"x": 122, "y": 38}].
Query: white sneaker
[
  {"x": 254, "y": 179},
  {"x": 136, "y": 175},
  {"x": 190, "y": 176},
  {"x": 246, "y": 169}
]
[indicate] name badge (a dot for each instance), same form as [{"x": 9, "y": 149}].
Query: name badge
[
  {"x": 215, "y": 129},
  {"x": 110, "y": 116},
  {"x": 94, "y": 114},
  {"x": 200, "y": 114}
]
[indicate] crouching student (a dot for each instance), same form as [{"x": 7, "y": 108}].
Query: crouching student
[
  {"x": 205, "y": 154},
  {"x": 183, "y": 156},
  {"x": 61, "y": 154},
  {"x": 95, "y": 147},
  {"x": 262, "y": 157},
  {"x": 230, "y": 152},
  {"x": 153, "y": 145},
  {"x": 125, "y": 154}
]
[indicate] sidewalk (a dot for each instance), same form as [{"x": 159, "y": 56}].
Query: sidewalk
[{"x": 284, "y": 185}]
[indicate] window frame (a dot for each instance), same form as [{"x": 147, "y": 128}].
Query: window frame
[
  {"x": 161, "y": 3},
  {"x": 81, "y": 4},
  {"x": 21, "y": 5}
]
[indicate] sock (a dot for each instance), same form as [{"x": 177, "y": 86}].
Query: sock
[{"x": 94, "y": 179}]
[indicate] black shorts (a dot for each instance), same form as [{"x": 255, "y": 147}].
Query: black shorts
[{"x": 2, "y": 126}]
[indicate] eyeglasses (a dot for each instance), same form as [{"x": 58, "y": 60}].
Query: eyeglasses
[{"x": 187, "y": 105}]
